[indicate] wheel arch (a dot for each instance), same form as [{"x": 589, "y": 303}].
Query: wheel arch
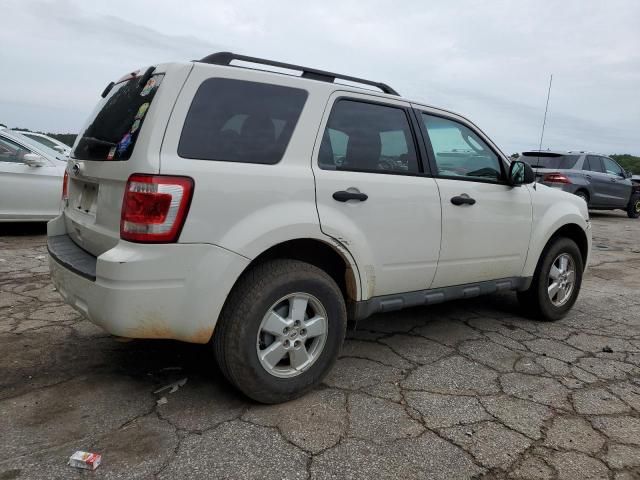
[
  {"x": 324, "y": 255},
  {"x": 332, "y": 259},
  {"x": 586, "y": 191},
  {"x": 575, "y": 233},
  {"x": 572, "y": 231}
]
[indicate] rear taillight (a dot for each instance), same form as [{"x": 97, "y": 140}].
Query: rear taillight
[
  {"x": 65, "y": 186},
  {"x": 555, "y": 178},
  {"x": 154, "y": 208}
]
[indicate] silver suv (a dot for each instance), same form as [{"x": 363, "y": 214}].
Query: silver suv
[
  {"x": 599, "y": 180},
  {"x": 256, "y": 211}
]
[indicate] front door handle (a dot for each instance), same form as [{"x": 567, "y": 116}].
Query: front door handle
[
  {"x": 344, "y": 195},
  {"x": 463, "y": 199},
  {"x": 588, "y": 177}
]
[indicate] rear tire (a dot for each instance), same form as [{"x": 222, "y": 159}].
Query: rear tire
[
  {"x": 553, "y": 291},
  {"x": 583, "y": 195},
  {"x": 275, "y": 309},
  {"x": 633, "y": 209}
]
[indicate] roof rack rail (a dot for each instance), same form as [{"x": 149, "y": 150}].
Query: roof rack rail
[{"x": 225, "y": 58}]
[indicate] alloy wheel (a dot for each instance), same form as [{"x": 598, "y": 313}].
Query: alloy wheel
[
  {"x": 292, "y": 335},
  {"x": 561, "y": 279}
]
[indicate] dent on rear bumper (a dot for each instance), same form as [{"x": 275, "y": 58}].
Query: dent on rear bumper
[{"x": 171, "y": 291}]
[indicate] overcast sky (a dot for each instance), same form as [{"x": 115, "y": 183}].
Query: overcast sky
[{"x": 489, "y": 60}]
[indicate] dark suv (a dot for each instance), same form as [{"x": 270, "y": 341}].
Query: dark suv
[{"x": 602, "y": 183}]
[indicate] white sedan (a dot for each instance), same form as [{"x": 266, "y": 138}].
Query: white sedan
[{"x": 31, "y": 177}]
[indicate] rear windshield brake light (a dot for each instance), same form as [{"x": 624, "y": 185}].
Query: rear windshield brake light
[{"x": 155, "y": 208}]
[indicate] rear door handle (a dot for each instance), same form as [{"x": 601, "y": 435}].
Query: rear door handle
[
  {"x": 463, "y": 199},
  {"x": 344, "y": 195}
]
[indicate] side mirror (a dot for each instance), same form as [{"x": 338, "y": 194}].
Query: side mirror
[
  {"x": 34, "y": 160},
  {"x": 520, "y": 173},
  {"x": 628, "y": 174}
]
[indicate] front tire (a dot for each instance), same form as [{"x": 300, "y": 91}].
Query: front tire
[
  {"x": 556, "y": 282},
  {"x": 281, "y": 330},
  {"x": 633, "y": 208}
]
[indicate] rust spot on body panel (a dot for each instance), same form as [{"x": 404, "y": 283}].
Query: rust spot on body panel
[{"x": 153, "y": 325}]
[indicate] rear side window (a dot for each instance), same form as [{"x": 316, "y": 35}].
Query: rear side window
[
  {"x": 368, "y": 137},
  {"x": 113, "y": 130},
  {"x": 556, "y": 161},
  {"x": 239, "y": 121},
  {"x": 594, "y": 164}
]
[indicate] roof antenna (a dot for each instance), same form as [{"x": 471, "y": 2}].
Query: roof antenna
[{"x": 544, "y": 122}]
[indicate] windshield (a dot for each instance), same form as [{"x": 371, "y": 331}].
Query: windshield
[
  {"x": 555, "y": 161},
  {"x": 43, "y": 140},
  {"x": 113, "y": 130}
]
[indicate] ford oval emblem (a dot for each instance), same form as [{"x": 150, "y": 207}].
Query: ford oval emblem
[{"x": 75, "y": 169}]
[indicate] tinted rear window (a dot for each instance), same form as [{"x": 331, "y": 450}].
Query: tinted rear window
[
  {"x": 239, "y": 121},
  {"x": 112, "y": 132},
  {"x": 549, "y": 160}
]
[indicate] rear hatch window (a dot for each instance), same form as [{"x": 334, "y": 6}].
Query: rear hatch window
[
  {"x": 113, "y": 129},
  {"x": 554, "y": 161}
]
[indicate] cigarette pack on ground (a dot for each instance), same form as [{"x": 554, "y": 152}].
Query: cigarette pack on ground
[{"x": 87, "y": 460}]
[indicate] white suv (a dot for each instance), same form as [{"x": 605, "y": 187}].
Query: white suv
[{"x": 256, "y": 210}]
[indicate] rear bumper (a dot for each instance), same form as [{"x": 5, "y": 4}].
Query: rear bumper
[{"x": 173, "y": 291}]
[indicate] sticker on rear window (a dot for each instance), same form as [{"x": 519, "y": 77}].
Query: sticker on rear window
[
  {"x": 142, "y": 110},
  {"x": 124, "y": 143},
  {"x": 112, "y": 153},
  {"x": 135, "y": 126},
  {"x": 148, "y": 87}
]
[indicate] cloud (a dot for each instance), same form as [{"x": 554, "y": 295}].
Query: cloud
[{"x": 488, "y": 61}]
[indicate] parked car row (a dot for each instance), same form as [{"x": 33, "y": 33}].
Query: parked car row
[
  {"x": 191, "y": 211},
  {"x": 31, "y": 177},
  {"x": 597, "y": 179}
]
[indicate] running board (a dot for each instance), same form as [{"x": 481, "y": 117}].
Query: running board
[{"x": 398, "y": 301}]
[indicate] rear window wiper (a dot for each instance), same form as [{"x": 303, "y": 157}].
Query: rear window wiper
[{"x": 98, "y": 141}]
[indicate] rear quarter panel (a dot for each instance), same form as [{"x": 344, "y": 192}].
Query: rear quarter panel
[{"x": 246, "y": 207}]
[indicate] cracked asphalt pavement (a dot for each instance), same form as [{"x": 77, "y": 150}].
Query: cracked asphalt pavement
[{"x": 470, "y": 389}]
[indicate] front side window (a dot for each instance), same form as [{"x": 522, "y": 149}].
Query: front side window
[
  {"x": 459, "y": 152},
  {"x": 367, "y": 137},
  {"x": 11, "y": 151},
  {"x": 239, "y": 121},
  {"x": 612, "y": 168}
]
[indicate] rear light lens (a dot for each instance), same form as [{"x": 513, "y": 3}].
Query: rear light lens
[
  {"x": 155, "y": 208},
  {"x": 556, "y": 178},
  {"x": 65, "y": 186}
]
